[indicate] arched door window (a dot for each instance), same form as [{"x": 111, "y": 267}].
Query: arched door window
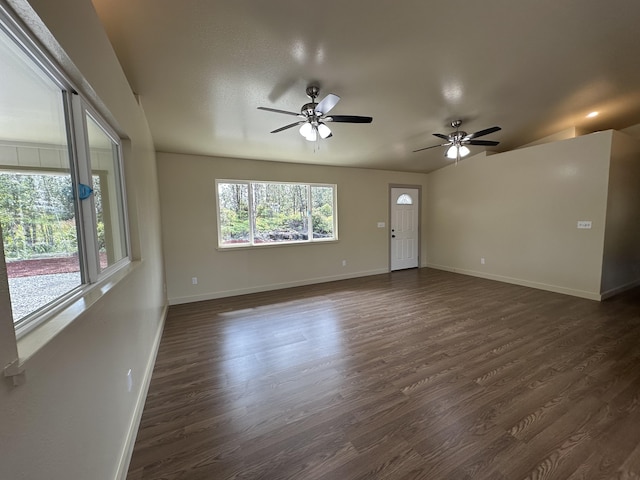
[{"x": 404, "y": 199}]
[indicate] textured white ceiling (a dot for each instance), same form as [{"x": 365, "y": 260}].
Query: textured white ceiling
[{"x": 533, "y": 67}]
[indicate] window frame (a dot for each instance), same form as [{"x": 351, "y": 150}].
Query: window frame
[
  {"x": 76, "y": 109},
  {"x": 251, "y": 243},
  {"x": 82, "y": 110}
]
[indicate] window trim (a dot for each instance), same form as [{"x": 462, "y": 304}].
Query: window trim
[{"x": 251, "y": 244}]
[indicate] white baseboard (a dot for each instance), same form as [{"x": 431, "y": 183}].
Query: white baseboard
[
  {"x": 622, "y": 288},
  {"x": 525, "y": 283},
  {"x": 272, "y": 286},
  {"x": 125, "y": 457}
]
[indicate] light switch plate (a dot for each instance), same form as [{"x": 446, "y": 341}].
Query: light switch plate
[
  {"x": 584, "y": 224},
  {"x": 380, "y": 224}
]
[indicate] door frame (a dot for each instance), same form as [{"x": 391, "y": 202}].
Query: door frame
[{"x": 390, "y": 204}]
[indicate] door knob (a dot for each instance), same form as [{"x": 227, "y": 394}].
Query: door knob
[{"x": 393, "y": 236}]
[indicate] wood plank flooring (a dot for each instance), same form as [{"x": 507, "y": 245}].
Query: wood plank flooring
[{"x": 417, "y": 374}]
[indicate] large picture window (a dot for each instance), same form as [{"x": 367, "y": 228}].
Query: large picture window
[
  {"x": 62, "y": 206},
  {"x": 263, "y": 213}
]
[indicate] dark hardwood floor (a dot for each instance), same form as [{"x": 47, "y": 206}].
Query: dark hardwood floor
[{"x": 418, "y": 374}]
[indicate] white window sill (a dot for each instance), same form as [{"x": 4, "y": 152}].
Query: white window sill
[
  {"x": 241, "y": 246},
  {"x": 33, "y": 341}
]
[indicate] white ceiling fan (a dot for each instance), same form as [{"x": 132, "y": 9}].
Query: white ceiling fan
[
  {"x": 314, "y": 116},
  {"x": 457, "y": 141}
]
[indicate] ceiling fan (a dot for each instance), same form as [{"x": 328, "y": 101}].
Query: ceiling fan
[
  {"x": 314, "y": 115},
  {"x": 457, "y": 141}
]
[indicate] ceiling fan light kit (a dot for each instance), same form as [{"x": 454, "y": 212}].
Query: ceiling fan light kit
[
  {"x": 314, "y": 115},
  {"x": 455, "y": 151},
  {"x": 311, "y": 131}
]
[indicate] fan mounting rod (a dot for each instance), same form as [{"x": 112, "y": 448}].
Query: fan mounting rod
[
  {"x": 309, "y": 109},
  {"x": 458, "y": 135},
  {"x": 312, "y": 91}
]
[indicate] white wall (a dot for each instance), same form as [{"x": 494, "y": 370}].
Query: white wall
[
  {"x": 187, "y": 191},
  {"x": 566, "y": 134},
  {"x": 621, "y": 259},
  {"x": 518, "y": 210},
  {"x": 72, "y": 417},
  {"x": 633, "y": 130}
]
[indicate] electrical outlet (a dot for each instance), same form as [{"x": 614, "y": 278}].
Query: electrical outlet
[
  {"x": 129, "y": 381},
  {"x": 344, "y": 263},
  {"x": 586, "y": 224},
  {"x": 482, "y": 261},
  {"x": 194, "y": 280}
]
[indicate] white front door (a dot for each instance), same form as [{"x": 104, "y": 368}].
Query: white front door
[{"x": 404, "y": 228}]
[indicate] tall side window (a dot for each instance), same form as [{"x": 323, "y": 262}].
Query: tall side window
[
  {"x": 62, "y": 206},
  {"x": 104, "y": 153},
  {"x": 263, "y": 213}
]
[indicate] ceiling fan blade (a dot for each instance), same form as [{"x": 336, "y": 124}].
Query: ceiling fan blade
[
  {"x": 348, "y": 119},
  {"x": 279, "y": 111},
  {"x": 432, "y": 146},
  {"x": 442, "y": 136},
  {"x": 489, "y": 143},
  {"x": 482, "y": 133},
  {"x": 291, "y": 125},
  {"x": 327, "y": 104}
]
